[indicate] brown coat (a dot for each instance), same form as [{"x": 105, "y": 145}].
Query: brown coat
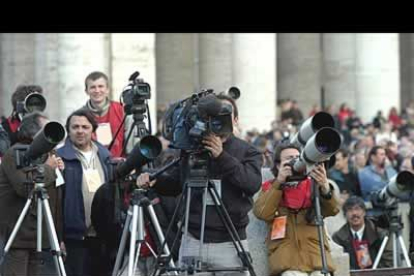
[
  {"x": 13, "y": 197},
  {"x": 299, "y": 250}
]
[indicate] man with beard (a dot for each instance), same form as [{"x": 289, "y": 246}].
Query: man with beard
[{"x": 359, "y": 237}]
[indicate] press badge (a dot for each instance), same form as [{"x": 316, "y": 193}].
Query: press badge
[
  {"x": 278, "y": 228},
  {"x": 59, "y": 179},
  {"x": 217, "y": 184},
  {"x": 104, "y": 134},
  {"x": 93, "y": 180}
]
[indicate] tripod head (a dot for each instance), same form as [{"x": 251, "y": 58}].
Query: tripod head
[{"x": 197, "y": 167}]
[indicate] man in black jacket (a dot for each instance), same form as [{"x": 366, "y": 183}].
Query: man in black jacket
[{"x": 235, "y": 169}]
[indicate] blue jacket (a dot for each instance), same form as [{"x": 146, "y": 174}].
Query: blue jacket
[
  {"x": 73, "y": 207},
  {"x": 371, "y": 181}
]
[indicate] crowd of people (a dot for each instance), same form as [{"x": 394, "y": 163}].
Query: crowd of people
[{"x": 89, "y": 210}]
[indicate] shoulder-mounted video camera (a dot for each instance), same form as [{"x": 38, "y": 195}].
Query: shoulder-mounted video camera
[
  {"x": 187, "y": 121},
  {"x": 135, "y": 94}
]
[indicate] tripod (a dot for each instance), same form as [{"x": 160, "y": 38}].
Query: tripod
[
  {"x": 198, "y": 180},
  {"x": 136, "y": 217},
  {"x": 395, "y": 233},
  {"x": 39, "y": 194}
]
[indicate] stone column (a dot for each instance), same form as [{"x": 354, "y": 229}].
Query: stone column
[
  {"x": 177, "y": 68},
  {"x": 254, "y": 72},
  {"x": 17, "y": 66},
  {"x": 215, "y": 61},
  {"x": 407, "y": 68},
  {"x": 377, "y": 74},
  {"x": 338, "y": 72},
  {"x": 130, "y": 53},
  {"x": 299, "y": 69},
  {"x": 78, "y": 55}
]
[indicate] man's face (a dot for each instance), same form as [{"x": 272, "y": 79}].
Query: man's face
[
  {"x": 287, "y": 155},
  {"x": 97, "y": 90},
  {"x": 355, "y": 216},
  {"x": 340, "y": 161},
  {"x": 379, "y": 158},
  {"x": 80, "y": 132}
]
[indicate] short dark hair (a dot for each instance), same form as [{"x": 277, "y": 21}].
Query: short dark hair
[
  {"x": 344, "y": 152},
  {"x": 353, "y": 201},
  {"x": 29, "y": 126},
  {"x": 373, "y": 151},
  {"x": 94, "y": 76},
  {"x": 22, "y": 91},
  {"x": 223, "y": 96},
  {"x": 82, "y": 112},
  {"x": 278, "y": 152}
]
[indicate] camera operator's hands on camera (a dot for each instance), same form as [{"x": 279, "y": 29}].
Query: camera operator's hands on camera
[
  {"x": 284, "y": 172},
  {"x": 53, "y": 161},
  {"x": 214, "y": 144},
  {"x": 143, "y": 181},
  {"x": 319, "y": 175}
]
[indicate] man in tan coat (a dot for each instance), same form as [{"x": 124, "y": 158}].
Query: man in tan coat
[{"x": 293, "y": 243}]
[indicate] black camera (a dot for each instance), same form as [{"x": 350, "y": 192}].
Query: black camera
[
  {"x": 135, "y": 94},
  {"x": 33, "y": 102},
  {"x": 188, "y": 121}
]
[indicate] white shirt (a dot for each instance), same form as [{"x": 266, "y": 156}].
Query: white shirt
[{"x": 359, "y": 233}]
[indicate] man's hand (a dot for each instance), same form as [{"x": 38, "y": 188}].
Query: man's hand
[
  {"x": 63, "y": 250},
  {"x": 52, "y": 161},
  {"x": 214, "y": 144},
  {"x": 319, "y": 175},
  {"x": 283, "y": 173},
  {"x": 144, "y": 182},
  {"x": 60, "y": 163}
]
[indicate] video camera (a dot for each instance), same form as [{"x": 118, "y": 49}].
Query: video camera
[
  {"x": 187, "y": 121},
  {"x": 33, "y": 102},
  {"x": 43, "y": 142},
  {"x": 318, "y": 140},
  {"x": 135, "y": 94}
]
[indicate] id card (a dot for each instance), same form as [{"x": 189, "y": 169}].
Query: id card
[
  {"x": 104, "y": 134},
  {"x": 362, "y": 254},
  {"x": 93, "y": 180},
  {"x": 217, "y": 183},
  {"x": 59, "y": 180},
  {"x": 278, "y": 228}
]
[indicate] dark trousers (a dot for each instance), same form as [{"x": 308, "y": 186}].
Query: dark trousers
[
  {"x": 86, "y": 258},
  {"x": 28, "y": 262}
]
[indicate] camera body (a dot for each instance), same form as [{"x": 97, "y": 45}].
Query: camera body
[
  {"x": 135, "y": 95},
  {"x": 188, "y": 121},
  {"x": 33, "y": 102}
]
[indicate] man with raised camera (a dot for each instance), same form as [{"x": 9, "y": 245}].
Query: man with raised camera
[
  {"x": 22, "y": 258},
  {"x": 108, "y": 114},
  {"x": 11, "y": 124},
  {"x": 235, "y": 169},
  {"x": 86, "y": 169},
  {"x": 293, "y": 243}
]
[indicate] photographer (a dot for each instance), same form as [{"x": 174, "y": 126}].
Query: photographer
[
  {"x": 236, "y": 168},
  {"x": 12, "y": 123},
  {"x": 85, "y": 171},
  {"x": 108, "y": 114},
  {"x": 22, "y": 259},
  {"x": 293, "y": 243}
]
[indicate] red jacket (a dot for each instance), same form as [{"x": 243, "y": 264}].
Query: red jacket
[{"x": 114, "y": 117}]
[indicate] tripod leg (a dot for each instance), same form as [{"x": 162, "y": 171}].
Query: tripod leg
[
  {"x": 380, "y": 252},
  {"x": 132, "y": 240},
  {"x": 140, "y": 236},
  {"x": 394, "y": 250},
  {"x": 122, "y": 244},
  {"x": 203, "y": 225},
  {"x": 39, "y": 227},
  {"x": 160, "y": 234},
  {"x": 187, "y": 216},
  {"x": 17, "y": 226},
  {"x": 404, "y": 250},
  {"x": 53, "y": 236}
]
